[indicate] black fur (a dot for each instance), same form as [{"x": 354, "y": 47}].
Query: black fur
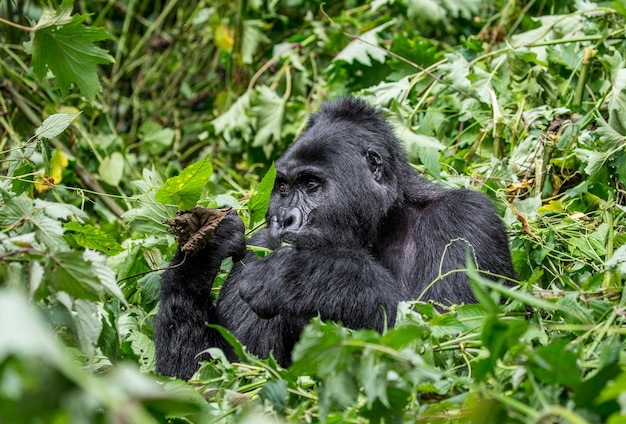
[{"x": 354, "y": 230}]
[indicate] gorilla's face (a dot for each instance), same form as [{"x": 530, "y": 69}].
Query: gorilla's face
[{"x": 327, "y": 193}]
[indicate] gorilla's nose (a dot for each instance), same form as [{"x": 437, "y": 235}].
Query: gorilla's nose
[{"x": 289, "y": 219}]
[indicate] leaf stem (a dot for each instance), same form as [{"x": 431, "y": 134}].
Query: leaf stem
[{"x": 14, "y": 25}]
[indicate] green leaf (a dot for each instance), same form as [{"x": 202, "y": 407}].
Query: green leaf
[
  {"x": 23, "y": 332},
  {"x": 275, "y": 391},
  {"x": 111, "y": 169},
  {"x": 260, "y": 200},
  {"x": 55, "y": 124},
  {"x": 72, "y": 274},
  {"x": 555, "y": 364},
  {"x": 84, "y": 276},
  {"x": 90, "y": 237},
  {"x": 365, "y": 48},
  {"x": 87, "y": 318},
  {"x": 184, "y": 190},
  {"x": 61, "y": 44},
  {"x": 617, "y": 103},
  {"x": 144, "y": 348},
  {"x": 230, "y": 338},
  {"x": 25, "y": 181},
  {"x": 618, "y": 260},
  {"x": 149, "y": 215},
  {"x": 253, "y": 35},
  {"x": 269, "y": 112}
]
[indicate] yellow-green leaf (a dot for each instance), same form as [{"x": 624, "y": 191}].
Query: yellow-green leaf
[{"x": 184, "y": 190}]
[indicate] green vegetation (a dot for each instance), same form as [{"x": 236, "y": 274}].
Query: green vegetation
[{"x": 113, "y": 115}]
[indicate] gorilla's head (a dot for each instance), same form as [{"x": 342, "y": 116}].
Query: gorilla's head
[{"x": 340, "y": 178}]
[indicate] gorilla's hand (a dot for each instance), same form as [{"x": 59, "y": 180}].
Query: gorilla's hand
[
  {"x": 229, "y": 238},
  {"x": 202, "y": 232}
]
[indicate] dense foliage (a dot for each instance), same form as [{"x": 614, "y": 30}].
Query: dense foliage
[{"x": 113, "y": 115}]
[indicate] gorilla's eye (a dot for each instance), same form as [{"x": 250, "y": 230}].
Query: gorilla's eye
[
  {"x": 283, "y": 189},
  {"x": 312, "y": 185}
]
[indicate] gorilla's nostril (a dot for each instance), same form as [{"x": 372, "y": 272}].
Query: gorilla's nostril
[
  {"x": 288, "y": 222},
  {"x": 290, "y": 218}
]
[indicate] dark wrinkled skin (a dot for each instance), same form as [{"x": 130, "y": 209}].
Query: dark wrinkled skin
[{"x": 354, "y": 231}]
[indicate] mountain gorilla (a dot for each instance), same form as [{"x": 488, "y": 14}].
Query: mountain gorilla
[{"x": 354, "y": 230}]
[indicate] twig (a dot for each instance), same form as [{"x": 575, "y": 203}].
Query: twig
[{"x": 14, "y": 25}]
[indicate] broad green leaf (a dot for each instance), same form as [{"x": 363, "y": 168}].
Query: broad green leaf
[
  {"x": 84, "y": 276},
  {"x": 269, "y": 111},
  {"x": 22, "y": 331},
  {"x": 253, "y": 34},
  {"x": 111, "y": 169},
  {"x": 61, "y": 44},
  {"x": 184, "y": 190},
  {"x": 70, "y": 273},
  {"x": 446, "y": 325},
  {"x": 149, "y": 214},
  {"x": 236, "y": 121},
  {"x": 155, "y": 137},
  {"x": 275, "y": 392},
  {"x": 55, "y": 124},
  {"x": 144, "y": 348},
  {"x": 61, "y": 211},
  {"x": 555, "y": 364},
  {"x": 91, "y": 237},
  {"x": 14, "y": 210},
  {"x": 365, "y": 48},
  {"x": 260, "y": 200},
  {"x": 87, "y": 318},
  {"x": 49, "y": 232},
  {"x": 106, "y": 276}
]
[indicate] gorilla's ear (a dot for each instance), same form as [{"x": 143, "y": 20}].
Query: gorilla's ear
[{"x": 375, "y": 162}]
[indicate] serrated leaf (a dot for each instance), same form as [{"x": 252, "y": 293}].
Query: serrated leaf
[
  {"x": 61, "y": 44},
  {"x": 185, "y": 189},
  {"x": 88, "y": 321},
  {"x": 90, "y": 237},
  {"x": 14, "y": 210},
  {"x": 49, "y": 231},
  {"x": 235, "y": 122},
  {"x": 55, "y": 124},
  {"x": 105, "y": 275},
  {"x": 365, "y": 48},
  {"x": 144, "y": 348},
  {"x": 253, "y": 35},
  {"x": 260, "y": 200},
  {"x": 60, "y": 210},
  {"x": 70, "y": 273},
  {"x": 148, "y": 217},
  {"x": 269, "y": 112}
]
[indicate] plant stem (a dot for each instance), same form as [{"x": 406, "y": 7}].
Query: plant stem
[{"x": 13, "y": 24}]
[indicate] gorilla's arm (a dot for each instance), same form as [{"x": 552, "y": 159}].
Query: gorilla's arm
[
  {"x": 186, "y": 303},
  {"x": 346, "y": 285}
]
